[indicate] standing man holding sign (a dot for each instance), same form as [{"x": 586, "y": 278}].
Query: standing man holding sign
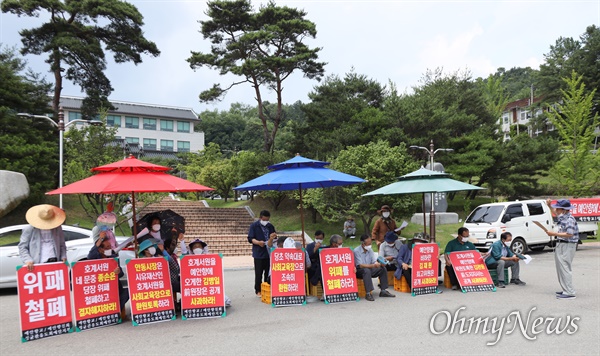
[
  {"x": 43, "y": 240},
  {"x": 260, "y": 232},
  {"x": 567, "y": 239}
]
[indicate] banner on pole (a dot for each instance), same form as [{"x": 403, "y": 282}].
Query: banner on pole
[
  {"x": 338, "y": 275},
  {"x": 150, "y": 291},
  {"x": 95, "y": 293},
  {"x": 202, "y": 288},
  {"x": 44, "y": 301},
  {"x": 288, "y": 285},
  {"x": 424, "y": 269},
  {"x": 471, "y": 271}
]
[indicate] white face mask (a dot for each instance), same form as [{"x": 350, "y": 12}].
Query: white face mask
[
  {"x": 156, "y": 227},
  {"x": 391, "y": 244},
  {"x": 386, "y": 214},
  {"x": 319, "y": 241},
  {"x": 107, "y": 253},
  {"x": 340, "y": 245},
  {"x": 507, "y": 243},
  {"x": 198, "y": 251},
  {"x": 264, "y": 222},
  {"x": 152, "y": 250},
  {"x": 465, "y": 239},
  {"x": 369, "y": 248}
]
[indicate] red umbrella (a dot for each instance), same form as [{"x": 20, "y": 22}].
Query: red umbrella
[{"x": 130, "y": 175}]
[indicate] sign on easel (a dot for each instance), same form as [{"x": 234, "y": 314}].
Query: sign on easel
[
  {"x": 202, "y": 288},
  {"x": 44, "y": 301},
  {"x": 150, "y": 291},
  {"x": 96, "y": 293},
  {"x": 471, "y": 271},
  {"x": 338, "y": 275},
  {"x": 288, "y": 286},
  {"x": 424, "y": 269}
]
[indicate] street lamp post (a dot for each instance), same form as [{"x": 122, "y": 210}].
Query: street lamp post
[
  {"x": 61, "y": 129},
  {"x": 431, "y": 153}
]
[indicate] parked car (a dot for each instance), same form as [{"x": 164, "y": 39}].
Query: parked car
[{"x": 78, "y": 240}]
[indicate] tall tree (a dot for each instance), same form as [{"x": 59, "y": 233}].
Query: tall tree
[
  {"x": 75, "y": 38},
  {"x": 578, "y": 172},
  {"x": 263, "y": 48},
  {"x": 28, "y": 146}
]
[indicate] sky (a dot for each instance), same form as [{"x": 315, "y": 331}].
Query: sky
[{"x": 388, "y": 41}]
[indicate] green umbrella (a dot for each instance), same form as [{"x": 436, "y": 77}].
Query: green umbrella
[{"x": 424, "y": 181}]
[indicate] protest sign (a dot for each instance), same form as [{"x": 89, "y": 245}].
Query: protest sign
[
  {"x": 424, "y": 269},
  {"x": 95, "y": 293},
  {"x": 150, "y": 291},
  {"x": 44, "y": 301},
  {"x": 471, "y": 271},
  {"x": 338, "y": 275},
  {"x": 288, "y": 286},
  {"x": 202, "y": 288}
]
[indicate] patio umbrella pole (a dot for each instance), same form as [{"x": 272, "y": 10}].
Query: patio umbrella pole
[
  {"x": 135, "y": 243},
  {"x": 302, "y": 215},
  {"x": 424, "y": 216}
]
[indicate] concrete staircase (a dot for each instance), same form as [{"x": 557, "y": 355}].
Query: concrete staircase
[{"x": 225, "y": 230}]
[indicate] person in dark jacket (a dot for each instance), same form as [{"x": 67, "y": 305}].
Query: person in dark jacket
[
  {"x": 102, "y": 249},
  {"x": 259, "y": 234}
]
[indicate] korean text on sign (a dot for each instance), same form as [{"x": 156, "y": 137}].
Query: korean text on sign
[
  {"x": 202, "y": 292},
  {"x": 338, "y": 273},
  {"x": 150, "y": 291},
  {"x": 44, "y": 301},
  {"x": 471, "y": 270},
  {"x": 287, "y": 277}
]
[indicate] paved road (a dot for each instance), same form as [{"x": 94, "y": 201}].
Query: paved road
[{"x": 386, "y": 326}]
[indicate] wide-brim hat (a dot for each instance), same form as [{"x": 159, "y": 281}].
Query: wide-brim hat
[
  {"x": 107, "y": 219},
  {"x": 45, "y": 216},
  {"x": 421, "y": 237},
  {"x": 562, "y": 204},
  {"x": 390, "y": 236},
  {"x": 384, "y": 207},
  {"x": 202, "y": 243}
]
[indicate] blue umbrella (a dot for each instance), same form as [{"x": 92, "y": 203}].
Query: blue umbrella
[{"x": 299, "y": 173}]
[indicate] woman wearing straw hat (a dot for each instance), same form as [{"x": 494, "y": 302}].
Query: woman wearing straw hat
[{"x": 43, "y": 241}]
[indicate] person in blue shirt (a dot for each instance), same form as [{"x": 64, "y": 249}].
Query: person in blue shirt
[
  {"x": 259, "y": 234},
  {"x": 567, "y": 239},
  {"x": 501, "y": 256}
]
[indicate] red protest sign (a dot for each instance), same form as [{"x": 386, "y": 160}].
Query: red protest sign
[
  {"x": 471, "y": 271},
  {"x": 95, "y": 293},
  {"x": 44, "y": 301},
  {"x": 150, "y": 290},
  {"x": 424, "y": 269},
  {"x": 585, "y": 209},
  {"x": 202, "y": 288},
  {"x": 338, "y": 275},
  {"x": 287, "y": 277}
]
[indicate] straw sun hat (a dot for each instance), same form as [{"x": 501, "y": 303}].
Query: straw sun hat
[{"x": 45, "y": 216}]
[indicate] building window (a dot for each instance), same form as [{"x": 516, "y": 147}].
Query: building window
[
  {"x": 166, "y": 125},
  {"x": 132, "y": 140},
  {"x": 505, "y": 119},
  {"x": 183, "y": 126},
  {"x": 113, "y": 120},
  {"x": 74, "y": 116},
  {"x": 183, "y": 146},
  {"x": 132, "y": 122},
  {"x": 166, "y": 145},
  {"x": 149, "y": 143},
  {"x": 149, "y": 124}
]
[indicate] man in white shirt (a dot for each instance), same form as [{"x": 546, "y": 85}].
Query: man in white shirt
[{"x": 367, "y": 268}]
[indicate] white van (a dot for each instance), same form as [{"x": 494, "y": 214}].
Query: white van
[{"x": 488, "y": 221}]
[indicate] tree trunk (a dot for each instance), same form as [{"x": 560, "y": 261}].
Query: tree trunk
[{"x": 57, "y": 85}]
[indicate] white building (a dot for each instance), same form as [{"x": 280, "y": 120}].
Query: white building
[
  {"x": 519, "y": 113},
  {"x": 158, "y": 130}
]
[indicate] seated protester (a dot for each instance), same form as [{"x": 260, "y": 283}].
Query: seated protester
[
  {"x": 196, "y": 247},
  {"x": 460, "y": 243},
  {"x": 501, "y": 256},
  {"x": 313, "y": 248},
  {"x": 335, "y": 241},
  {"x": 389, "y": 250},
  {"x": 102, "y": 249},
  {"x": 367, "y": 268},
  {"x": 174, "y": 269},
  {"x": 106, "y": 223},
  {"x": 404, "y": 257},
  {"x": 349, "y": 227}
]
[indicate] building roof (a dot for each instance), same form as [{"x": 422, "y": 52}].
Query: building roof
[
  {"x": 137, "y": 109},
  {"x": 522, "y": 103}
]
